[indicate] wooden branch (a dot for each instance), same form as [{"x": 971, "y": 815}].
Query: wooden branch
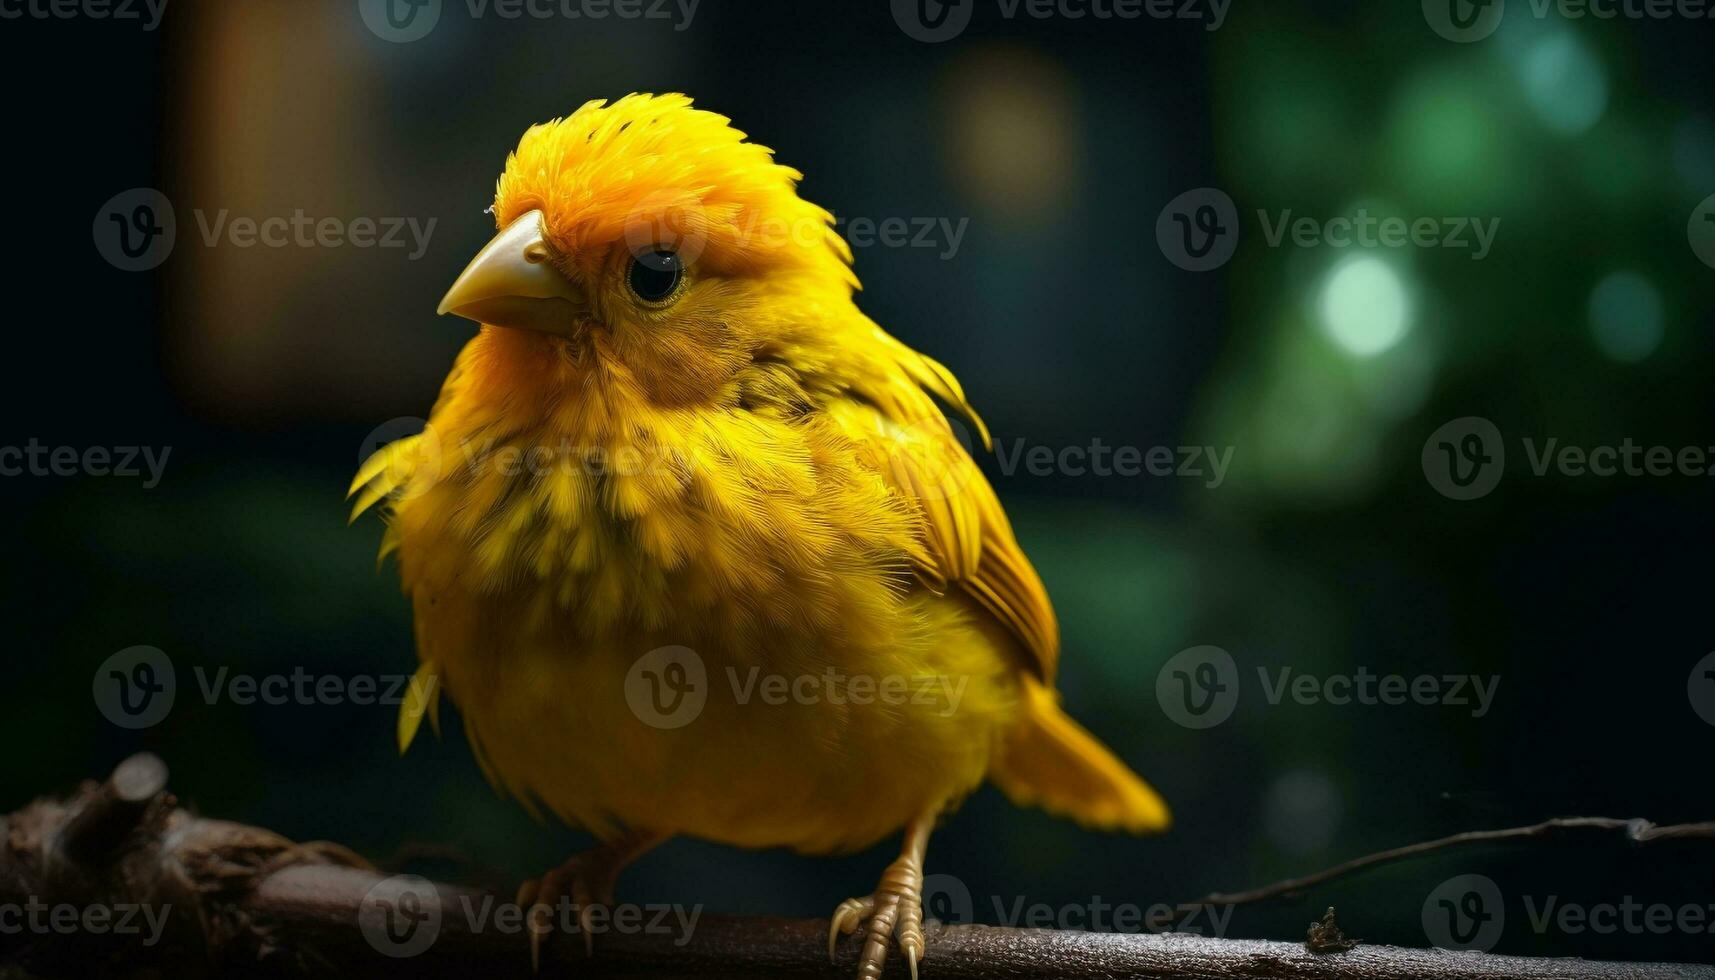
[{"x": 237, "y": 901}]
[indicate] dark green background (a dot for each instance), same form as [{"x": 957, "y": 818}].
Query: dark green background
[{"x": 1325, "y": 550}]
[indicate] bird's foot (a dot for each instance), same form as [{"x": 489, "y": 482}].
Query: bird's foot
[
  {"x": 586, "y": 882},
  {"x": 895, "y": 914}
]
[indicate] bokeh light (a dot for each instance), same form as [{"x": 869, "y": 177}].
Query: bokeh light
[
  {"x": 1013, "y": 132},
  {"x": 1453, "y": 146},
  {"x": 1626, "y": 319},
  {"x": 1565, "y": 83},
  {"x": 1364, "y": 306}
]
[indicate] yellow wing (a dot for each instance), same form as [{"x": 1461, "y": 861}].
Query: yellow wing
[{"x": 966, "y": 541}]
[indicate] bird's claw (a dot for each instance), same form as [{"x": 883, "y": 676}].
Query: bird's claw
[
  {"x": 895, "y": 914},
  {"x": 847, "y": 918},
  {"x": 585, "y": 881}
]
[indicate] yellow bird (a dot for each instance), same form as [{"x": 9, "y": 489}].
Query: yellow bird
[{"x": 692, "y": 546}]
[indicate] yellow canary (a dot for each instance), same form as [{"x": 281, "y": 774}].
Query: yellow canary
[{"x": 691, "y": 544}]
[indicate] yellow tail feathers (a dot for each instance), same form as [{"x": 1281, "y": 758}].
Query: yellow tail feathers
[{"x": 1050, "y": 761}]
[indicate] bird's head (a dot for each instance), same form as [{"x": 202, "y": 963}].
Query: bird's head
[{"x": 651, "y": 237}]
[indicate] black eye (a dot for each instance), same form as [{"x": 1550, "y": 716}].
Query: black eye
[{"x": 655, "y": 274}]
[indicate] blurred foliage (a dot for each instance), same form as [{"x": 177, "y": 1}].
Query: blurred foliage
[{"x": 1325, "y": 549}]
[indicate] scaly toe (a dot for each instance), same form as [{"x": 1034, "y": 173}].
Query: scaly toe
[
  {"x": 895, "y": 914},
  {"x": 847, "y": 918},
  {"x": 879, "y": 937}
]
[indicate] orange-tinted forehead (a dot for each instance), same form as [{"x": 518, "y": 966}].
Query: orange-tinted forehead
[{"x": 651, "y": 170}]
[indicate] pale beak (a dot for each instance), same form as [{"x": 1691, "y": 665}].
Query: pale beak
[{"x": 512, "y": 282}]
